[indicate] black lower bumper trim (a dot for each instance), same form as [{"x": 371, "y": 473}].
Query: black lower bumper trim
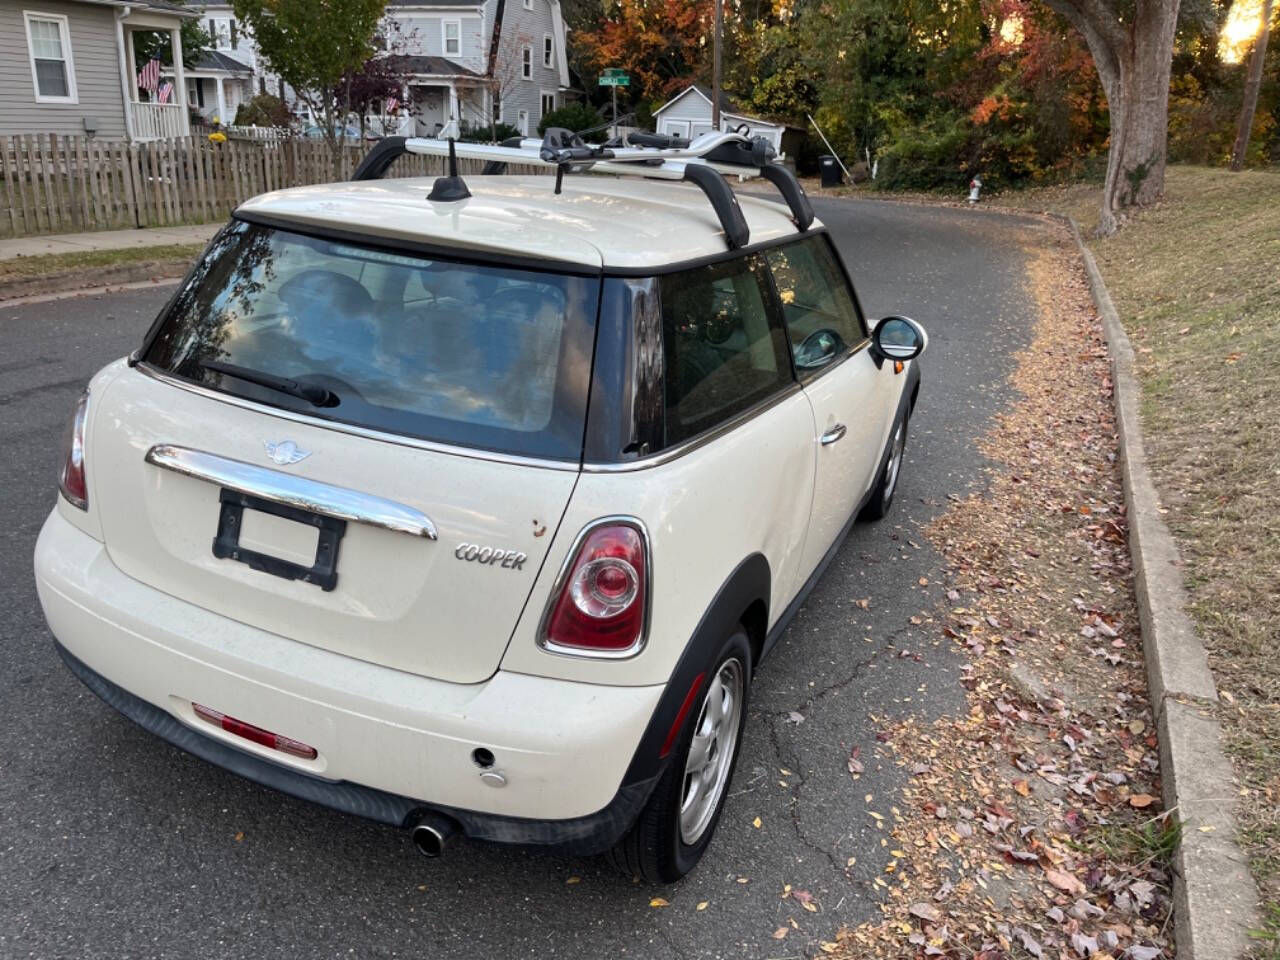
[{"x": 582, "y": 836}]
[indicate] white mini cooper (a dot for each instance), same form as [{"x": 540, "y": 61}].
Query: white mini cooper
[{"x": 476, "y": 510}]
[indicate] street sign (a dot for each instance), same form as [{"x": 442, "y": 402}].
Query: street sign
[{"x": 614, "y": 80}]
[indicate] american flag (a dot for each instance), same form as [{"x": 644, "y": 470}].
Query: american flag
[
  {"x": 149, "y": 76},
  {"x": 392, "y": 103},
  {"x": 166, "y": 92}
]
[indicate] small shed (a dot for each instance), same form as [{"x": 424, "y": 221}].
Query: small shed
[{"x": 688, "y": 114}]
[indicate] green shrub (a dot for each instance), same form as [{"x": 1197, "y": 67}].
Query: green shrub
[
  {"x": 264, "y": 110},
  {"x": 575, "y": 117},
  {"x": 495, "y": 134}
]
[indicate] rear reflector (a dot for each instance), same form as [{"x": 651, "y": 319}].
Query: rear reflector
[
  {"x": 295, "y": 748},
  {"x": 684, "y": 712}
]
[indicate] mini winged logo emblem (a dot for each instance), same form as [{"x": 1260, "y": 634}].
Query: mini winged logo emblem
[{"x": 286, "y": 452}]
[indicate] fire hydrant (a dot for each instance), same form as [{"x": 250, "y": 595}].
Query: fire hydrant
[{"x": 975, "y": 187}]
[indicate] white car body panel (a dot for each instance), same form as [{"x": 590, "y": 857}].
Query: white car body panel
[
  {"x": 860, "y": 397},
  {"x": 401, "y": 601},
  {"x": 371, "y": 725},
  {"x": 748, "y": 491}
]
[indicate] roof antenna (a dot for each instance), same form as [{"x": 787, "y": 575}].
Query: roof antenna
[{"x": 450, "y": 188}]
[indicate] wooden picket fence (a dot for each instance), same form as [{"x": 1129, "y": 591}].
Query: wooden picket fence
[{"x": 64, "y": 184}]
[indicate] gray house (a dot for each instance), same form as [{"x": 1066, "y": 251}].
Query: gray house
[
  {"x": 67, "y": 67},
  {"x": 493, "y": 60},
  {"x": 467, "y": 62}
]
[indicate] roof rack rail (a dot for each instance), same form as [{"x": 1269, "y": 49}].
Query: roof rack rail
[{"x": 703, "y": 162}]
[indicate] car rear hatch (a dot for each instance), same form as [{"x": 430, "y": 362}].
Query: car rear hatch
[{"x": 394, "y": 499}]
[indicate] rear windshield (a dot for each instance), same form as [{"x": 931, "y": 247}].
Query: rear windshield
[{"x": 479, "y": 355}]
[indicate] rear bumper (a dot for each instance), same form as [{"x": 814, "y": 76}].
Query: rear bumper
[{"x": 391, "y": 745}]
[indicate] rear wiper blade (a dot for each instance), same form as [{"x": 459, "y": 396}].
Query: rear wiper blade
[{"x": 316, "y": 396}]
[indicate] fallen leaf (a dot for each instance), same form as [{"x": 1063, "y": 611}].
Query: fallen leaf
[
  {"x": 704, "y": 904},
  {"x": 239, "y": 837},
  {"x": 926, "y": 911},
  {"x": 1085, "y": 946},
  {"x": 574, "y": 880},
  {"x": 855, "y": 765},
  {"x": 1064, "y": 881},
  {"x": 781, "y": 932},
  {"x": 659, "y": 902},
  {"x": 1141, "y": 800},
  {"x": 756, "y": 823}
]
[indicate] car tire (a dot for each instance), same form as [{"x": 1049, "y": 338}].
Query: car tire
[
  {"x": 676, "y": 825},
  {"x": 881, "y": 500}
]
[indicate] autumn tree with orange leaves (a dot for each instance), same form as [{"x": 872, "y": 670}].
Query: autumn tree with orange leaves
[{"x": 663, "y": 44}]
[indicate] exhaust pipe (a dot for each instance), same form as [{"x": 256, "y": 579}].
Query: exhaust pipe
[{"x": 431, "y": 832}]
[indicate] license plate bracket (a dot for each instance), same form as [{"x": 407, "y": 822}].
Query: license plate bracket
[{"x": 226, "y": 544}]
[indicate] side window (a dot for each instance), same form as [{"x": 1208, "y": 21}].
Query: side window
[
  {"x": 822, "y": 321},
  {"x": 723, "y": 350}
]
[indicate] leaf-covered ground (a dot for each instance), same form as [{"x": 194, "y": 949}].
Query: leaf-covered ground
[
  {"x": 1031, "y": 824},
  {"x": 1196, "y": 283}
]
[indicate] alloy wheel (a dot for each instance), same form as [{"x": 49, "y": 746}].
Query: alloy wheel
[{"x": 710, "y": 757}]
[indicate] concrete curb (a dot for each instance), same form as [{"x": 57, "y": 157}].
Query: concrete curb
[
  {"x": 1215, "y": 902},
  {"x": 87, "y": 278}
]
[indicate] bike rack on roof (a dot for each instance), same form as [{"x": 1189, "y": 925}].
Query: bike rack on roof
[{"x": 704, "y": 162}]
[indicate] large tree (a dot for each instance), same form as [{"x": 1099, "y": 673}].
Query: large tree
[
  {"x": 1132, "y": 46},
  {"x": 663, "y": 44},
  {"x": 1252, "y": 84},
  {"x": 317, "y": 47}
]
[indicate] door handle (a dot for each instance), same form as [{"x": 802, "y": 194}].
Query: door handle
[{"x": 834, "y": 434}]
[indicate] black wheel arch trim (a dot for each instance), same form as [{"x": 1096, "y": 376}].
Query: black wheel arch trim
[{"x": 747, "y": 585}]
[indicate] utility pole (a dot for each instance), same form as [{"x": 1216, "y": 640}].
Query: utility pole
[
  {"x": 715, "y": 66},
  {"x": 1251, "y": 85}
]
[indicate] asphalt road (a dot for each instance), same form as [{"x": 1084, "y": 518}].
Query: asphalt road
[{"x": 114, "y": 844}]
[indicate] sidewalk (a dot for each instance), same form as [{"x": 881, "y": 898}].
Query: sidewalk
[{"x": 106, "y": 240}]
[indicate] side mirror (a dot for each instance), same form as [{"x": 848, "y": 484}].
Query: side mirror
[{"x": 898, "y": 338}]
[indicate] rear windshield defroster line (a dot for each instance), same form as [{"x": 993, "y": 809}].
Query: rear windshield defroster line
[{"x": 471, "y": 354}]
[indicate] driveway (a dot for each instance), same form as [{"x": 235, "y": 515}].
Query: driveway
[{"x": 115, "y": 844}]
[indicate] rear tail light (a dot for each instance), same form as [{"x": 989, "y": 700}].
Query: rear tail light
[
  {"x": 295, "y": 748},
  {"x": 71, "y": 481},
  {"x": 602, "y": 596}
]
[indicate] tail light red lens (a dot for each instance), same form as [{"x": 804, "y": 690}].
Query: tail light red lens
[
  {"x": 295, "y": 748},
  {"x": 600, "y": 607},
  {"x": 71, "y": 481}
]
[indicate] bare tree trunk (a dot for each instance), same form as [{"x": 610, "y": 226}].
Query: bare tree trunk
[
  {"x": 1241, "y": 148},
  {"x": 1134, "y": 58}
]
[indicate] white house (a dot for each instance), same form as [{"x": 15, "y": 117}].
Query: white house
[
  {"x": 468, "y": 62},
  {"x": 688, "y": 114}
]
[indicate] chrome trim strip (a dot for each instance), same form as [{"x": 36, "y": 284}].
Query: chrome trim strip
[
  {"x": 474, "y": 453},
  {"x": 566, "y": 567},
  {"x": 322, "y": 498},
  {"x": 701, "y": 440}
]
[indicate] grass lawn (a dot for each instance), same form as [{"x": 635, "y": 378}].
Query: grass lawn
[
  {"x": 1197, "y": 283},
  {"x": 55, "y": 264}
]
